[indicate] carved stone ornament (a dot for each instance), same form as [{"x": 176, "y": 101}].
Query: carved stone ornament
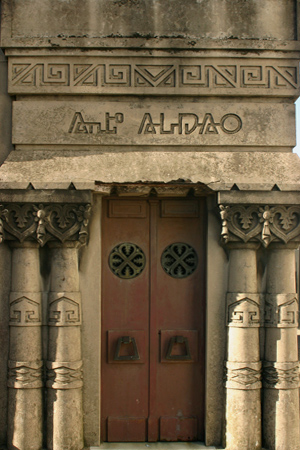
[
  {"x": 281, "y": 375},
  {"x": 64, "y": 309},
  {"x": 25, "y": 309},
  {"x": 263, "y": 224},
  {"x": 243, "y": 310},
  {"x": 243, "y": 375},
  {"x": 64, "y": 375},
  {"x": 136, "y": 75},
  {"x": 281, "y": 310},
  {"x": 25, "y": 374},
  {"x": 127, "y": 260},
  {"x": 179, "y": 260},
  {"x": 42, "y": 223}
]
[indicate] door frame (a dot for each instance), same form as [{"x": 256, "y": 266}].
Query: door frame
[{"x": 216, "y": 269}]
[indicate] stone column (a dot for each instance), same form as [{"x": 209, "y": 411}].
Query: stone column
[
  {"x": 25, "y": 403},
  {"x": 243, "y": 365},
  {"x": 64, "y": 365},
  {"x": 281, "y": 376}
]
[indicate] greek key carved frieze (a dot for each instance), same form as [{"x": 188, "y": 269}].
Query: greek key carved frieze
[
  {"x": 42, "y": 223},
  {"x": 64, "y": 375},
  {"x": 243, "y": 375},
  {"x": 25, "y": 309},
  {"x": 25, "y": 374},
  {"x": 281, "y": 310},
  {"x": 243, "y": 310},
  {"x": 64, "y": 309},
  {"x": 281, "y": 375},
  {"x": 257, "y": 223},
  {"x": 135, "y": 75}
]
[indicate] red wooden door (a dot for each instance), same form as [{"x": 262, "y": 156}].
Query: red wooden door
[{"x": 153, "y": 320}]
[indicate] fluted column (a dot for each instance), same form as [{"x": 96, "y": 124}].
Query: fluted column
[
  {"x": 243, "y": 365},
  {"x": 281, "y": 373},
  {"x": 25, "y": 404},
  {"x": 64, "y": 365}
]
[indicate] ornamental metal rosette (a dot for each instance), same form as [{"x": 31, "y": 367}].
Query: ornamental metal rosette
[
  {"x": 256, "y": 223},
  {"x": 43, "y": 223}
]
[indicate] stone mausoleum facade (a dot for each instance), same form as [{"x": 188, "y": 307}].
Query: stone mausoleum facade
[{"x": 149, "y": 217}]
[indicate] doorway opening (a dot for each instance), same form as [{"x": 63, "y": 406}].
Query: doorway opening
[{"x": 153, "y": 319}]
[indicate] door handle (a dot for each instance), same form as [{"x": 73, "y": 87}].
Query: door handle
[
  {"x": 126, "y": 340},
  {"x": 179, "y": 340}
]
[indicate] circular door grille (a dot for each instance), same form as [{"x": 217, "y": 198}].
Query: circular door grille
[
  {"x": 127, "y": 260},
  {"x": 179, "y": 260}
]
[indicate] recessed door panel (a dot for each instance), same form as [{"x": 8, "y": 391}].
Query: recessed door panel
[
  {"x": 125, "y": 312},
  {"x": 153, "y": 314}
]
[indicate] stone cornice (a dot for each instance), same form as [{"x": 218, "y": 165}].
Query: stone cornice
[
  {"x": 257, "y": 223},
  {"x": 127, "y": 42},
  {"x": 44, "y": 222}
]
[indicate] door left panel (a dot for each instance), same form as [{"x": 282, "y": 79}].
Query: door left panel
[{"x": 125, "y": 320}]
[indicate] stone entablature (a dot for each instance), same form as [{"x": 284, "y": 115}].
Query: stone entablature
[{"x": 148, "y": 123}]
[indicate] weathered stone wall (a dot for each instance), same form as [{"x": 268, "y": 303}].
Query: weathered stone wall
[
  {"x": 5, "y": 111},
  {"x": 214, "y": 19},
  {"x": 132, "y": 97}
]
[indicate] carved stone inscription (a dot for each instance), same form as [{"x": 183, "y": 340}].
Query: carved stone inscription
[
  {"x": 155, "y": 75},
  {"x": 151, "y": 123}
]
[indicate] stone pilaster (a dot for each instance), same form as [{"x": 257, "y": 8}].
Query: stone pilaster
[
  {"x": 64, "y": 365},
  {"x": 243, "y": 365},
  {"x": 25, "y": 402},
  {"x": 64, "y": 227},
  {"x": 281, "y": 367},
  {"x": 277, "y": 228}
]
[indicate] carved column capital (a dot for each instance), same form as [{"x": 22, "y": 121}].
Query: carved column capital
[
  {"x": 59, "y": 222},
  {"x": 260, "y": 223}
]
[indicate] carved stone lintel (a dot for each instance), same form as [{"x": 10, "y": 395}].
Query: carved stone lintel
[
  {"x": 43, "y": 223},
  {"x": 64, "y": 375},
  {"x": 25, "y": 374},
  {"x": 264, "y": 224},
  {"x": 243, "y": 310},
  {"x": 64, "y": 309},
  {"x": 25, "y": 309},
  {"x": 281, "y": 310},
  {"x": 243, "y": 375},
  {"x": 281, "y": 375}
]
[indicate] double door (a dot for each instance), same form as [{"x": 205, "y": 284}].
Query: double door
[{"x": 153, "y": 320}]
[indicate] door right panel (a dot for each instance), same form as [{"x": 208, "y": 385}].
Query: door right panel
[{"x": 177, "y": 322}]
